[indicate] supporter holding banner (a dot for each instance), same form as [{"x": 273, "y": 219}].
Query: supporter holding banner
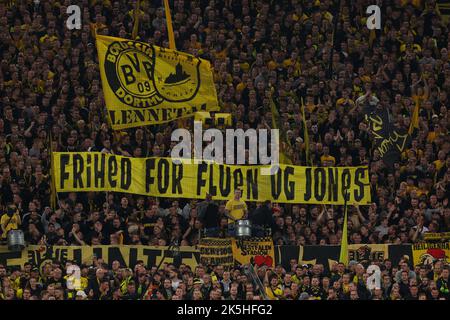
[
  {"x": 145, "y": 84},
  {"x": 162, "y": 177}
]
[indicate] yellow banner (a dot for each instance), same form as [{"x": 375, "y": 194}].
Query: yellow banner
[
  {"x": 215, "y": 251},
  {"x": 428, "y": 253},
  {"x": 259, "y": 251},
  {"x": 162, "y": 177},
  {"x": 145, "y": 84},
  {"x": 429, "y": 236}
]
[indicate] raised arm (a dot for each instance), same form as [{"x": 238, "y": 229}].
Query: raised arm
[{"x": 360, "y": 216}]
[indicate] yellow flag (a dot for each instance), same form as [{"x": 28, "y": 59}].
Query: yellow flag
[
  {"x": 284, "y": 158},
  {"x": 372, "y": 37},
  {"x": 136, "y": 15},
  {"x": 415, "y": 118},
  {"x": 145, "y": 84},
  {"x": 343, "y": 256},
  {"x": 305, "y": 134},
  {"x": 169, "y": 25}
]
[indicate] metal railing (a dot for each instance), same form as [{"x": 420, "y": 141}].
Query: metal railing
[{"x": 250, "y": 272}]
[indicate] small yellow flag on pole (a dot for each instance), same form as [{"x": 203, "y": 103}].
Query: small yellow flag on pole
[
  {"x": 284, "y": 158},
  {"x": 372, "y": 37},
  {"x": 415, "y": 118},
  {"x": 136, "y": 16},
  {"x": 305, "y": 134},
  {"x": 169, "y": 25}
]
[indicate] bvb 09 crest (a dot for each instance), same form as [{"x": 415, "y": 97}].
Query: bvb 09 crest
[{"x": 144, "y": 76}]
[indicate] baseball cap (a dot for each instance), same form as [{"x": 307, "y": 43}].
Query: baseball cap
[
  {"x": 353, "y": 262},
  {"x": 81, "y": 294},
  {"x": 304, "y": 296}
]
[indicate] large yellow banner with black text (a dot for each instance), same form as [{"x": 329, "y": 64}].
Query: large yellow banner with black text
[
  {"x": 163, "y": 177},
  {"x": 145, "y": 84}
]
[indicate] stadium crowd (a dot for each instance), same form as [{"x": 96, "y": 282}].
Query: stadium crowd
[
  {"x": 51, "y": 99},
  {"x": 302, "y": 282}
]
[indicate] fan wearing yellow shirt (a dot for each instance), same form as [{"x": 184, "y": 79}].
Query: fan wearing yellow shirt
[
  {"x": 326, "y": 156},
  {"x": 274, "y": 290},
  {"x": 439, "y": 163},
  {"x": 236, "y": 208},
  {"x": 346, "y": 101},
  {"x": 10, "y": 221}
]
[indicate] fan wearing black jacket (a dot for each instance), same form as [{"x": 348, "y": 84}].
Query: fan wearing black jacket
[{"x": 262, "y": 217}]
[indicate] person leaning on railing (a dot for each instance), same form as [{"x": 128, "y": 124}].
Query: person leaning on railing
[
  {"x": 10, "y": 221},
  {"x": 235, "y": 209}
]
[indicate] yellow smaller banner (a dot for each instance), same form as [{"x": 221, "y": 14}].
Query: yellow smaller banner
[
  {"x": 215, "y": 251},
  {"x": 436, "y": 236},
  {"x": 428, "y": 253},
  {"x": 259, "y": 251},
  {"x": 343, "y": 255}
]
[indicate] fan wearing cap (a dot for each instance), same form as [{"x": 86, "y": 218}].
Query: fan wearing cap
[
  {"x": 196, "y": 284},
  {"x": 81, "y": 295}
]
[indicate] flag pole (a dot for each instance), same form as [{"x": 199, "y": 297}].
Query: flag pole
[
  {"x": 53, "y": 193},
  {"x": 136, "y": 15},
  {"x": 169, "y": 25},
  {"x": 305, "y": 134},
  {"x": 343, "y": 256},
  {"x": 172, "y": 45}
]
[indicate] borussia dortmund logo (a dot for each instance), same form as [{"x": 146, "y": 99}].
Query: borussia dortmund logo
[
  {"x": 129, "y": 69},
  {"x": 143, "y": 76}
]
